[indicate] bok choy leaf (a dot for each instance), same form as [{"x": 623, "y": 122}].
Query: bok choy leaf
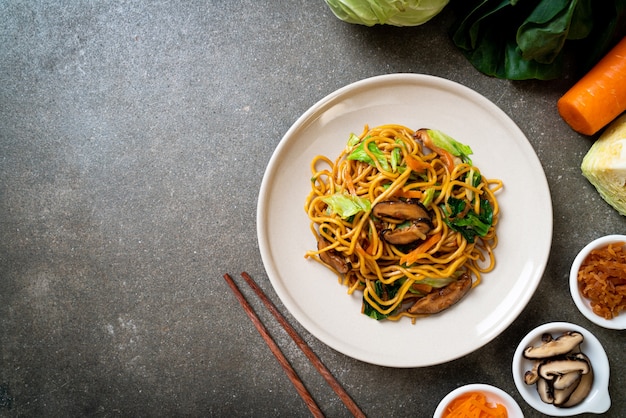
[
  {"x": 528, "y": 39},
  {"x": 470, "y": 224}
]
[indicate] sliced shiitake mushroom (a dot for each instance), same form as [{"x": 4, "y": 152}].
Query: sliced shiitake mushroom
[
  {"x": 549, "y": 370},
  {"x": 555, "y": 347},
  {"x": 566, "y": 380},
  {"x": 563, "y": 378},
  {"x": 396, "y": 211},
  {"x": 531, "y": 376},
  {"x": 443, "y": 298},
  {"x": 562, "y": 395},
  {"x": 332, "y": 257},
  {"x": 403, "y": 210},
  {"x": 416, "y": 231},
  {"x": 582, "y": 390},
  {"x": 545, "y": 391}
]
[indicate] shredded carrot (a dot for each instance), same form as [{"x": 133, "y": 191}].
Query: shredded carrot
[
  {"x": 370, "y": 248},
  {"x": 361, "y": 251},
  {"x": 598, "y": 97},
  {"x": 447, "y": 158},
  {"x": 422, "y": 287},
  {"x": 474, "y": 405},
  {"x": 602, "y": 280},
  {"x": 416, "y": 164},
  {"x": 410, "y": 194},
  {"x": 412, "y": 256},
  {"x": 349, "y": 182}
]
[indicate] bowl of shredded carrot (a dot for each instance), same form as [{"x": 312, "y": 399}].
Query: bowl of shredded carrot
[
  {"x": 479, "y": 401},
  {"x": 598, "y": 281}
]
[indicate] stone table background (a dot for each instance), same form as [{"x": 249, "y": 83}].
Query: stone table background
[{"x": 133, "y": 140}]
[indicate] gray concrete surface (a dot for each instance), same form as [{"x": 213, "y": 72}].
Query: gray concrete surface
[{"x": 133, "y": 140}]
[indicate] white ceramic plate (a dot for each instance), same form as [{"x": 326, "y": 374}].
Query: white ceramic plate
[
  {"x": 598, "y": 401},
  {"x": 311, "y": 292},
  {"x": 492, "y": 393}
]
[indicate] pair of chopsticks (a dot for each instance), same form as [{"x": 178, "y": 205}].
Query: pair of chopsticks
[{"x": 291, "y": 373}]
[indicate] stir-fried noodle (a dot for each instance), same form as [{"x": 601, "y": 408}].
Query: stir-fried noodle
[{"x": 398, "y": 217}]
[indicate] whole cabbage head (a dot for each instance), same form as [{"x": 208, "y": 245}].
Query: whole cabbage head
[{"x": 386, "y": 12}]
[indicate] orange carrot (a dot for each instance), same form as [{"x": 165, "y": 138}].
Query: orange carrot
[
  {"x": 370, "y": 248},
  {"x": 410, "y": 194},
  {"x": 350, "y": 183},
  {"x": 446, "y": 157},
  {"x": 474, "y": 404},
  {"x": 421, "y": 287},
  {"x": 598, "y": 97},
  {"x": 412, "y": 257},
  {"x": 415, "y": 164}
]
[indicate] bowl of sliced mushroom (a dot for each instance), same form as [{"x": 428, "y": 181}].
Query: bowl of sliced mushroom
[{"x": 561, "y": 369}]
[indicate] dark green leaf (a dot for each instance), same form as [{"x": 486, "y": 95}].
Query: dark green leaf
[
  {"x": 471, "y": 224},
  {"x": 582, "y": 20},
  {"x": 542, "y": 35},
  {"x": 528, "y": 39},
  {"x": 385, "y": 292}
]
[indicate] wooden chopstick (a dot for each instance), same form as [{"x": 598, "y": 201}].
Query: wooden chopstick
[
  {"x": 291, "y": 373},
  {"x": 321, "y": 368}
]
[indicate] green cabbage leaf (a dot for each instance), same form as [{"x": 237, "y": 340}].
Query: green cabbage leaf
[
  {"x": 346, "y": 205},
  {"x": 451, "y": 145},
  {"x": 359, "y": 154},
  {"x": 386, "y": 12},
  {"x": 604, "y": 165}
]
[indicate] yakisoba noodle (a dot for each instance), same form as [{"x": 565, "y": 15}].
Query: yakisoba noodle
[{"x": 403, "y": 220}]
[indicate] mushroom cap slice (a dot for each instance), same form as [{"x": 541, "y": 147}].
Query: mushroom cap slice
[
  {"x": 545, "y": 391},
  {"x": 555, "y": 368},
  {"x": 332, "y": 257},
  {"x": 410, "y": 209},
  {"x": 582, "y": 390},
  {"x": 407, "y": 235},
  {"x": 444, "y": 297},
  {"x": 562, "y": 395},
  {"x": 531, "y": 376},
  {"x": 556, "y": 347},
  {"x": 566, "y": 380}
]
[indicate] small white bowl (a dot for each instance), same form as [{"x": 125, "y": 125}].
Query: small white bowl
[
  {"x": 583, "y": 304},
  {"x": 492, "y": 393},
  {"x": 597, "y": 402}
]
